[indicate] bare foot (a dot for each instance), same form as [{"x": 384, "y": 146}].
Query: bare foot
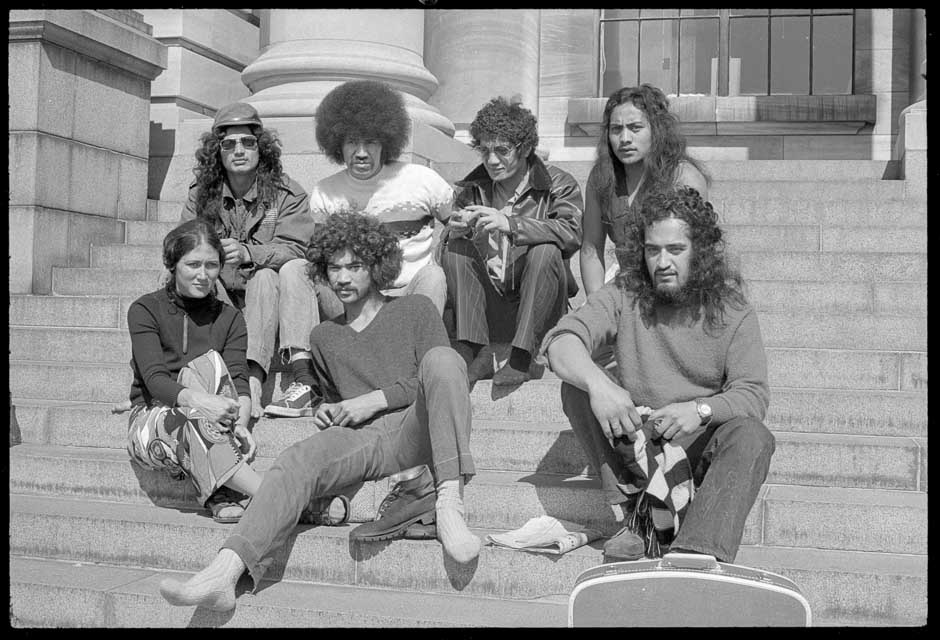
[{"x": 212, "y": 588}]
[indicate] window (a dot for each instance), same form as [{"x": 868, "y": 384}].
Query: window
[{"x": 729, "y": 51}]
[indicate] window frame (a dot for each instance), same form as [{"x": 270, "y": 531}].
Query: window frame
[{"x": 724, "y": 18}]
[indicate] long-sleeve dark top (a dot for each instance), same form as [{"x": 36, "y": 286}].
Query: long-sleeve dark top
[
  {"x": 384, "y": 356},
  {"x": 155, "y": 322}
]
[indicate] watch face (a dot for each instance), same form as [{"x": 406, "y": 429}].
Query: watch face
[{"x": 704, "y": 411}]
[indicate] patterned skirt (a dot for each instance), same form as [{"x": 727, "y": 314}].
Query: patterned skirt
[{"x": 181, "y": 441}]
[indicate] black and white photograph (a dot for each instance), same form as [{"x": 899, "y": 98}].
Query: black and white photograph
[{"x": 436, "y": 317}]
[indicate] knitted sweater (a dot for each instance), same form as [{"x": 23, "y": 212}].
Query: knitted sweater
[
  {"x": 674, "y": 359},
  {"x": 404, "y": 197},
  {"x": 156, "y": 324},
  {"x": 384, "y": 355}
]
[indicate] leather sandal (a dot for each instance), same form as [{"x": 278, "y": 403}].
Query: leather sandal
[
  {"x": 328, "y": 511},
  {"x": 217, "y": 503}
]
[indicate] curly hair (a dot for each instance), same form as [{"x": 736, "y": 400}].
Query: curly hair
[
  {"x": 362, "y": 110},
  {"x": 506, "y": 120},
  {"x": 712, "y": 281},
  {"x": 364, "y": 236},
  {"x": 210, "y": 173},
  {"x": 667, "y": 151}
]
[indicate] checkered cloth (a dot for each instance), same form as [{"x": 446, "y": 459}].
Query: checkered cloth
[{"x": 661, "y": 471}]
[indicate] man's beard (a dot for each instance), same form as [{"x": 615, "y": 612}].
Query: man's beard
[{"x": 673, "y": 296}]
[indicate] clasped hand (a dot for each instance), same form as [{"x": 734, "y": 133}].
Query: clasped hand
[
  {"x": 219, "y": 410},
  {"x": 479, "y": 217},
  {"x": 235, "y": 252},
  {"x": 346, "y": 413}
]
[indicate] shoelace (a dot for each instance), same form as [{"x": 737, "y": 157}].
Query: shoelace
[
  {"x": 295, "y": 390},
  {"x": 392, "y": 496}
]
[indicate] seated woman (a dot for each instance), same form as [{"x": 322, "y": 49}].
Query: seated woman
[
  {"x": 190, "y": 401},
  {"x": 640, "y": 150}
]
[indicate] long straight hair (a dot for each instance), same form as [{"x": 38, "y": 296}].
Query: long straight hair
[{"x": 667, "y": 151}]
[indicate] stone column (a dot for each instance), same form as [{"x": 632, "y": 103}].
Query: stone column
[
  {"x": 306, "y": 53},
  {"x": 479, "y": 54},
  {"x": 79, "y": 83}
]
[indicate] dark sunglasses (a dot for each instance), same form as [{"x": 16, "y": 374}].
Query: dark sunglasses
[{"x": 248, "y": 142}]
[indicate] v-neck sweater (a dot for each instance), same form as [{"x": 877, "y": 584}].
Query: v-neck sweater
[{"x": 383, "y": 356}]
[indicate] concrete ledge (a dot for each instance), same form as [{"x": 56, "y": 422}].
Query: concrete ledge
[
  {"x": 773, "y": 112},
  {"x": 98, "y": 532},
  {"x": 92, "y": 34},
  {"x": 56, "y": 593}
]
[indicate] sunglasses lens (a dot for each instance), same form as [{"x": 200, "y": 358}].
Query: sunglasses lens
[{"x": 248, "y": 142}]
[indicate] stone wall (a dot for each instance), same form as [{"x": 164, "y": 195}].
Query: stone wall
[{"x": 79, "y": 86}]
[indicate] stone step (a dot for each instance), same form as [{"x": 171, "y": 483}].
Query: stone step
[
  {"x": 756, "y": 209},
  {"x": 883, "y": 414},
  {"x": 578, "y": 162},
  {"x": 126, "y": 256},
  {"x": 104, "y": 311},
  {"x": 787, "y": 368},
  {"x": 801, "y": 330},
  {"x": 888, "y": 299},
  {"x": 67, "y": 594},
  {"x": 830, "y": 213},
  {"x": 810, "y": 459},
  {"x": 851, "y": 267},
  {"x": 809, "y": 238},
  {"x": 833, "y": 267},
  {"x": 86, "y": 281},
  {"x": 814, "y": 238},
  {"x": 148, "y": 232},
  {"x": 884, "y": 587},
  {"x": 771, "y": 170},
  {"x": 766, "y": 181},
  {"x": 817, "y": 190}
]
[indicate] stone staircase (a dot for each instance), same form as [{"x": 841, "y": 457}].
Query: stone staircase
[{"x": 836, "y": 262}]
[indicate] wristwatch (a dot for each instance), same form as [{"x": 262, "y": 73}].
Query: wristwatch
[{"x": 704, "y": 411}]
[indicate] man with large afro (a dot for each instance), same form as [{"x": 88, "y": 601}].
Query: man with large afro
[
  {"x": 363, "y": 126},
  {"x": 505, "y": 252}
]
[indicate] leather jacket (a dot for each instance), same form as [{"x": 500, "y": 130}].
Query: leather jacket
[{"x": 549, "y": 210}]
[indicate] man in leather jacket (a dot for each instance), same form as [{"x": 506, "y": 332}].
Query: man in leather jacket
[{"x": 506, "y": 248}]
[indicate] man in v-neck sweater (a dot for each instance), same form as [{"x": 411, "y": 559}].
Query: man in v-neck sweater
[{"x": 396, "y": 397}]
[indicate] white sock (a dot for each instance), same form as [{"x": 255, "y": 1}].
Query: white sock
[
  {"x": 212, "y": 588},
  {"x": 459, "y": 542}
]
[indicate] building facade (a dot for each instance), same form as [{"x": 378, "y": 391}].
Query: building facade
[{"x": 131, "y": 91}]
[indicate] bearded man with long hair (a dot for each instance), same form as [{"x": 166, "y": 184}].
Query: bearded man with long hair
[{"x": 691, "y": 380}]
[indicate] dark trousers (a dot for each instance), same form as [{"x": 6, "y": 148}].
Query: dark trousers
[
  {"x": 435, "y": 430},
  {"x": 729, "y": 465},
  {"x": 534, "y": 293}
]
